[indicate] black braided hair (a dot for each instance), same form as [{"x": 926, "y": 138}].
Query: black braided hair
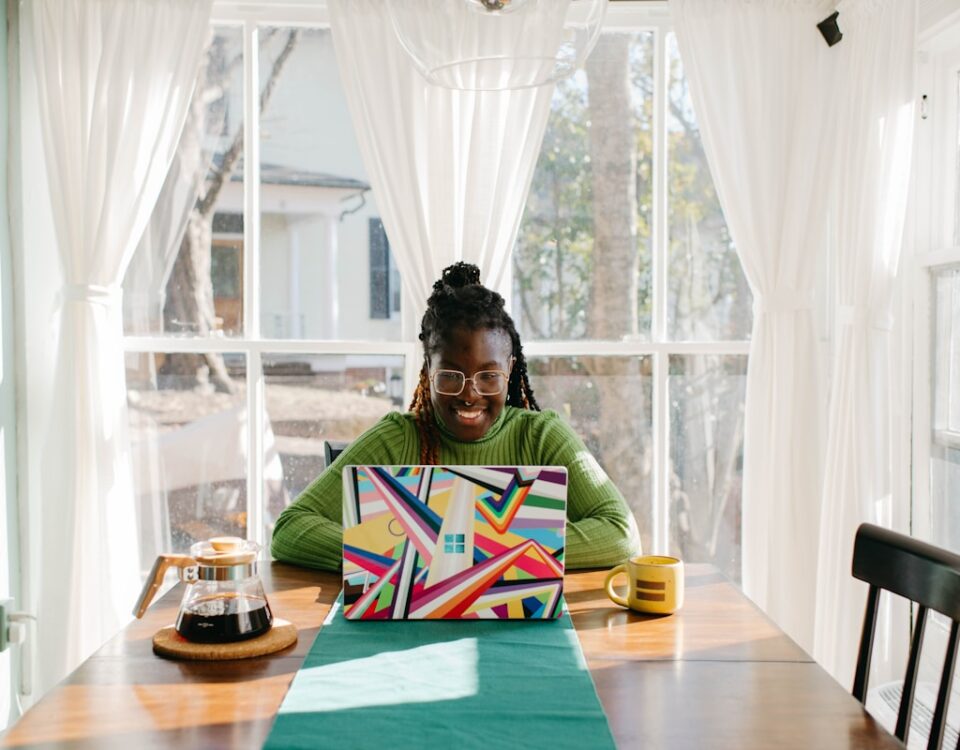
[{"x": 459, "y": 300}]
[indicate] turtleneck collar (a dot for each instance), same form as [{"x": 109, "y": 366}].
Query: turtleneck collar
[{"x": 489, "y": 435}]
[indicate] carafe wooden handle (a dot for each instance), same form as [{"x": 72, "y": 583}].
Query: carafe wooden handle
[{"x": 155, "y": 579}]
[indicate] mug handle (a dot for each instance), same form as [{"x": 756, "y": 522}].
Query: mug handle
[{"x": 608, "y": 585}]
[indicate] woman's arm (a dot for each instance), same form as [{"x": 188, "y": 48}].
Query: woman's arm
[
  {"x": 601, "y": 530},
  {"x": 309, "y": 532}
]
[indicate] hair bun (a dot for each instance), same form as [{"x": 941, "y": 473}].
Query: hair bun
[{"x": 458, "y": 275}]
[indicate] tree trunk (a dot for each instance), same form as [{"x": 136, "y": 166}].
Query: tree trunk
[
  {"x": 613, "y": 155},
  {"x": 190, "y": 304},
  {"x": 613, "y": 312},
  {"x": 189, "y": 308}
]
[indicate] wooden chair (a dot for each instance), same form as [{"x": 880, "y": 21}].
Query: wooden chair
[
  {"x": 928, "y": 576},
  {"x": 332, "y": 449}
]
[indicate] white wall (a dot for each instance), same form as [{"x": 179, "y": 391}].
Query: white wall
[
  {"x": 311, "y": 233},
  {"x": 307, "y": 126},
  {"x": 274, "y": 270}
]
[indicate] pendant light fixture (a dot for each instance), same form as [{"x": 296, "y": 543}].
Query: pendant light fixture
[{"x": 494, "y": 45}]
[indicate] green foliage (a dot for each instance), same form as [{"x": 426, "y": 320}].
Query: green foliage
[
  {"x": 554, "y": 255},
  {"x": 707, "y": 298}
]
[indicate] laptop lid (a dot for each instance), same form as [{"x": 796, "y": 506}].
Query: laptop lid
[{"x": 453, "y": 542}]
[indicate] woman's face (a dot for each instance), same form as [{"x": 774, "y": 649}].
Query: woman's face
[{"x": 469, "y": 415}]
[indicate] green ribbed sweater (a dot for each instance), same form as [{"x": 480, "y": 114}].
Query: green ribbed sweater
[{"x": 601, "y": 530}]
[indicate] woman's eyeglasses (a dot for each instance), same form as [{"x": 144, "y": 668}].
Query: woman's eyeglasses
[{"x": 485, "y": 382}]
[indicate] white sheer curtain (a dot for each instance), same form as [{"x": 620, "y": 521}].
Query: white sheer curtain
[
  {"x": 114, "y": 80},
  {"x": 758, "y": 79},
  {"x": 450, "y": 170},
  {"x": 145, "y": 282},
  {"x": 874, "y": 89}
]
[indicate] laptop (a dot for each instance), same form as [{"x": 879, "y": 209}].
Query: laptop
[{"x": 453, "y": 542}]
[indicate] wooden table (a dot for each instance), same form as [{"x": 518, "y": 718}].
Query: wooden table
[{"x": 718, "y": 674}]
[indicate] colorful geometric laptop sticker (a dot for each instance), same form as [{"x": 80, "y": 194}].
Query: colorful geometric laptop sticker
[{"x": 459, "y": 542}]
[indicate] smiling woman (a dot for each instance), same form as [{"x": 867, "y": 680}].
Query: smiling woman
[
  {"x": 473, "y": 406},
  {"x": 466, "y": 329}
]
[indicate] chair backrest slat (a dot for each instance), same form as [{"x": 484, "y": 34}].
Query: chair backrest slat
[
  {"x": 943, "y": 695},
  {"x": 910, "y": 680},
  {"x": 925, "y": 574},
  {"x": 332, "y": 449},
  {"x": 862, "y": 675}
]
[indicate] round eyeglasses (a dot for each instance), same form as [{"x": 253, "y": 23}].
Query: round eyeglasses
[{"x": 485, "y": 382}]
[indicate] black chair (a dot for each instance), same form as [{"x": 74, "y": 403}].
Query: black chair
[
  {"x": 928, "y": 576},
  {"x": 332, "y": 449}
]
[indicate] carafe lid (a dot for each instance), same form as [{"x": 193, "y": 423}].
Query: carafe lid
[{"x": 225, "y": 550}]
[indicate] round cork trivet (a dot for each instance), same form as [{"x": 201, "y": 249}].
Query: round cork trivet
[{"x": 167, "y": 642}]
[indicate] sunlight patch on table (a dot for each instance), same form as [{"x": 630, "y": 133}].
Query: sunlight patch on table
[{"x": 426, "y": 674}]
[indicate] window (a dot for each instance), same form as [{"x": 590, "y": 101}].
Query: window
[
  {"x": 935, "y": 345},
  {"x": 267, "y": 320},
  {"x": 945, "y": 443},
  {"x": 956, "y": 161},
  {"x": 629, "y": 295},
  {"x": 931, "y": 283},
  {"x": 384, "y": 276},
  {"x": 226, "y": 278},
  {"x": 248, "y": 335}
]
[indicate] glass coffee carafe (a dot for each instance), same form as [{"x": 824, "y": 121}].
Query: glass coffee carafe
[{"x": 224, "y": 599}]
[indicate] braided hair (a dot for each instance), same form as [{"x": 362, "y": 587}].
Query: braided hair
[{"x": 459, "y": 300}]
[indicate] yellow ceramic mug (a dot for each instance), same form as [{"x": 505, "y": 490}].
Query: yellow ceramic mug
[{"x": 655, "y": 585}]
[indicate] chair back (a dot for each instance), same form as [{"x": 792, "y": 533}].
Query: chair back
[
  {"x": 332, "y": 449},
  {"x": 928, "y": 576}
]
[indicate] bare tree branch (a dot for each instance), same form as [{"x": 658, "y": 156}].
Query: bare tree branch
[{"x": 221, "y": 176}]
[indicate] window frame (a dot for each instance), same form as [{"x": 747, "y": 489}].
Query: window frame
[
  {"x": 938, "y": 129},
  {"x": 651, "y": 16},
  {"x": 623, "y": 15},
  {"x": 932, "y": 214}
]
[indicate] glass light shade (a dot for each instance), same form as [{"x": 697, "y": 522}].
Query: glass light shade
[{"x": 493, "y": 45}]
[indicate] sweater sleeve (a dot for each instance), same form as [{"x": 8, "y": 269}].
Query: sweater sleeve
[
  {"x": 601, "y": 529},
  {"x": 309, "y": 532}
]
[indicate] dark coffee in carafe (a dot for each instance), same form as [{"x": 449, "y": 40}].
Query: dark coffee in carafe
[{"x": 224, "y": 618}]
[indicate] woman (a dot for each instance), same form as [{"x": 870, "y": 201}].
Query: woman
[{"x": 473, "y": 406}]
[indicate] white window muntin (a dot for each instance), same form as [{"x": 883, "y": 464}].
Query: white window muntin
[{"x": 622, "y": 16}]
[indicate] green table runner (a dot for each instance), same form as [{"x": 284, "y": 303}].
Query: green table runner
[{"x": 425, "y": 684}]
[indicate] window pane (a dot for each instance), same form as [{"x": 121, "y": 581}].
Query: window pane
[
  {"x": 186, "y": 274},
  {"x": 189, "y": 448},
  {"x": 945, "y": 450},
  {"x": 608, "y": 402},
  {"x": 583, "y": 253},
  {"x": 312, "y": 398},
  {"x": 325, "y": 267},
  {"x": 946, "y": 369},
  {"x": 706, "y": 457},
  {"x": 944, "y": 490},
  {"x": 956, "y": 168},
  {"x": 708, "y": 297}
]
